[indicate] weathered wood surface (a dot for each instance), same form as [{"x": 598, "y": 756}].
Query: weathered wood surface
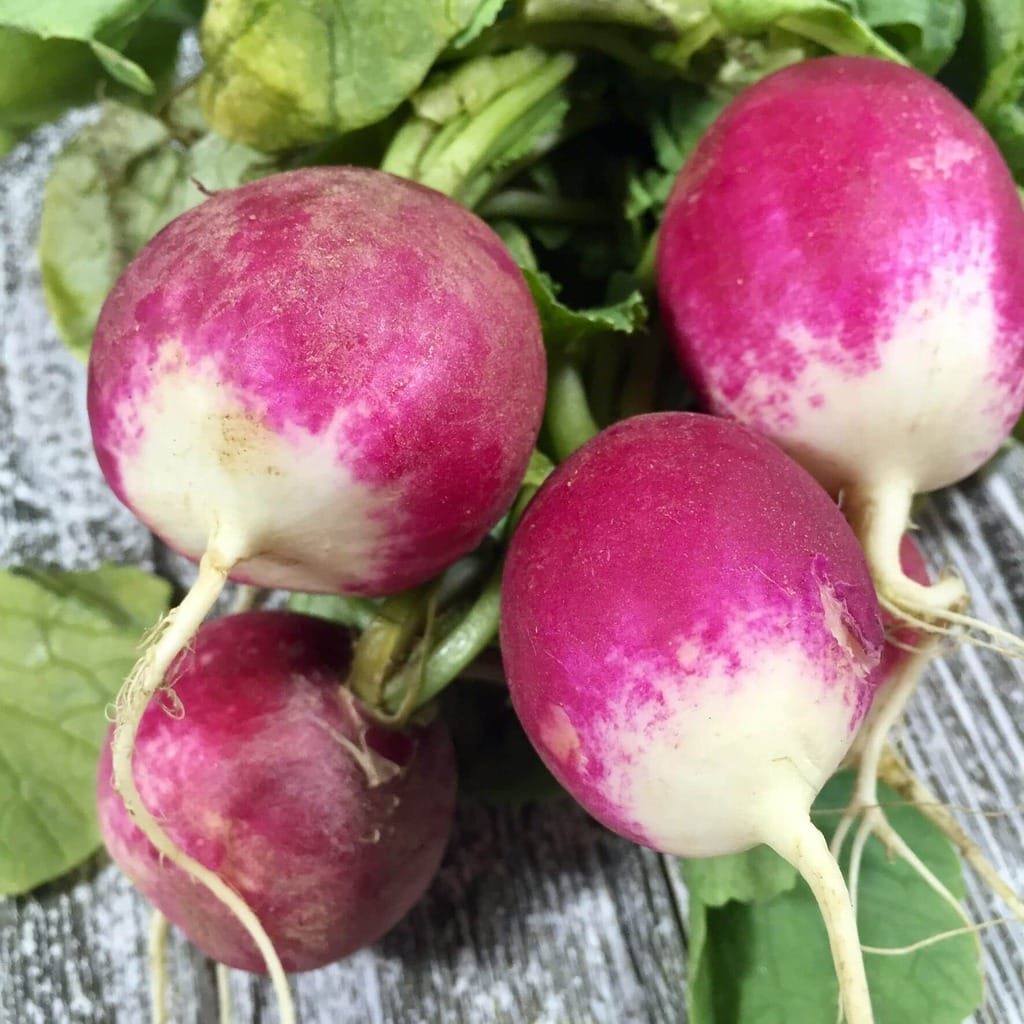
[{"x": 539, "y": 915}]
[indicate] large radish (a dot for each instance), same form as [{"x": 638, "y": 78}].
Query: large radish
[
  {"x": 690, "y": 634},
  {"x": 841, "y": 266}
]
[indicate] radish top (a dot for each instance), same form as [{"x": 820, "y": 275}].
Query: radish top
[
  {"x": 841, "y": 265},
  {"x": 343, "y": 367}
]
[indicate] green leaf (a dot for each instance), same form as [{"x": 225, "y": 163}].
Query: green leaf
[
  {"x": 1006, "y": 124},
  {"x": 987, "y": 72},
  {"x": 676, "y": 119},
  {"x": 472, "y": 127},
  {"x": 110, "y": 190},
  {"x": 123, "y": 70},
  {"x": 758, "y": 874},
  {"x": 924, "y": 31},
  {"x": 993, "y": 39},
  {"x": 566, "y": 330},
  {"x": 484, "y": 17},
  {"x": 40, "y": 78},
  {"x": 828, "y": 24},
  {"x": 67, "y": 640},
  {"x": 769, "y": 962},
  {"x": 668, "y": 16},
  {"x": 84, "y": 19},
  {"x": 105, "y": 25},
  {"x": 293, "y": 72}
]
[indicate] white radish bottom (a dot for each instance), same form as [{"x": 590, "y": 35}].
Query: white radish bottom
[{"x": 172, "y": 635}]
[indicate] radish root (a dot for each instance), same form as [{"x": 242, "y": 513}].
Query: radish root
[
  {"x": 162, "y": 646},
  {"x": 225, "y": 1013},
  {"x": 879, "y": 516},
  {"x": 158, "y": 928},
  {"x": 931, "y": 940},
  {"x": 890, "y": 705},
  {"x": 894, "y": 771},
  {"x": 808, "y": 852}
]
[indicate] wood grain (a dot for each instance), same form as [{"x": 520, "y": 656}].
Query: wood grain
[{"x": 539, "y": 915}]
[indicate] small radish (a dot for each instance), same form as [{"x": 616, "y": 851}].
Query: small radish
[
  {"x": 326, "y": 380},
  {"x": 690, "y": 635},
  {"x": 841, "y": 266},
  {"x": 328, "y": 827}
]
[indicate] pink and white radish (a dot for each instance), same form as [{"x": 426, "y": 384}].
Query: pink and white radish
[
  {"x": 690, "y": 634},
  {"x": 841, "y": 266},
  {"x": 328, "y": 827},
  {"x": 327, "y": 380}
]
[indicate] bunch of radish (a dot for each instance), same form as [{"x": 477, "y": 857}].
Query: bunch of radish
[{"x": 332, "y": 380}]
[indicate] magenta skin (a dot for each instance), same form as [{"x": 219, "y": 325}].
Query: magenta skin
[
  {"x": 665, "y": 532},
  {"x": 340, "y": 289},
  {"x": 257, "y": 783},
  {"x": 819, "y": 198}
]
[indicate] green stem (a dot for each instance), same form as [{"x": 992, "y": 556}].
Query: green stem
[
  {"x": 604, "y": 380},
  {"x": 644, "y": 272},
  {"x": 463, "y": 644},
  {"x": 580, "y": 118},
  {"x": 839, "y": 41},
  {"x": 448, "y": 169},
  {"x": 567, "y": 416},
  {"x": 640, "y": 388},
  {"x": 527, "y": 205},
  {"x": 407, "y": 147},
  {"x": 386, "y": 640}
]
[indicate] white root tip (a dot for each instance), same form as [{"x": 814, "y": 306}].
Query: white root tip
[
  {"x": 225, "y": 1012},
  {"x": 158, "y": 928}
]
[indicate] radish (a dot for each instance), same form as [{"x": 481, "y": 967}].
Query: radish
[
  {"x": 690, "y": 635},
  {"x": 841, "y": 266},
  {"x": 328, "y": 827},
  {"x": 326, "y": 380}
]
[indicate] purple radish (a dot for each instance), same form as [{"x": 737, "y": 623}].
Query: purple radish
[
  {"x": 690, "y": 634},
  {"x": 327, "y": 380},
  {"x": 841, "y": 266},
  {"x": 329, "y": 827},
  {"x": 332, "y": 378}
]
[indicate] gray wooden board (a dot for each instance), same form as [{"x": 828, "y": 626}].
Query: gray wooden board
[{"x": 538, "y": 915}]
